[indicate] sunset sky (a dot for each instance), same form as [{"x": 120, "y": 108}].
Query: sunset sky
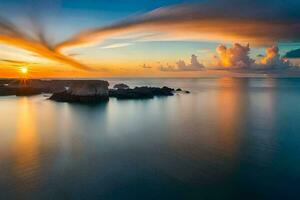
[{"x": 149, "y": 38}]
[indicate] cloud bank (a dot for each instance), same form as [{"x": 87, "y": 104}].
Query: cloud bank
[{"x": 237, "y": 57}]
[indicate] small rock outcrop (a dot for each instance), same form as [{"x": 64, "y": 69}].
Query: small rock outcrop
[
  {"x": 87, "y": 91},
  {"x": 184, "y": 91},
  {"x": 121, "y": 86}
]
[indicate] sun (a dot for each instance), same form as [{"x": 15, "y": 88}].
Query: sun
[{"x": 24, "y": 70}]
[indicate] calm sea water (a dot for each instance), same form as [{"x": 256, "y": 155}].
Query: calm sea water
[{"x": 229, "y": 139}]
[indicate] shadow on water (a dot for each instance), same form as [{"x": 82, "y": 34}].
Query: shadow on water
[{"x": 91, "y": 105}]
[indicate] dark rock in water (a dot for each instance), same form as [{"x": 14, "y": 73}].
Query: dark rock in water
[
  {"x": 141, "y": 92},
  {"x": 187, "y": 92},
  {"x": 164, "y": 91},
  {"x": 121, "y": 86},
  {"x": 68, "y": 97},
  {"x": 130, "y": 94},
  {"x": 87, "y": 91},
  {"x": 178, "y": 89}
]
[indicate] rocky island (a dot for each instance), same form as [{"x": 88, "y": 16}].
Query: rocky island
[{"x": 81, "y": 91}]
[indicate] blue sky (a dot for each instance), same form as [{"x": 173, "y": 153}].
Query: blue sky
[{"x": 158, "y": 33}]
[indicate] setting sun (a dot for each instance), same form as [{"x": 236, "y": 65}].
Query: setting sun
[{"x": 24, "y": 70}]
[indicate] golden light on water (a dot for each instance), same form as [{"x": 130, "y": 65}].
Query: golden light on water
[{"x": 26, "y": 149}]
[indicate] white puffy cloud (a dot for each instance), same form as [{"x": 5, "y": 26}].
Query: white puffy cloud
[{"x": 182, "y": 66}]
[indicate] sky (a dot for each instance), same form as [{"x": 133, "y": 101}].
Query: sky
[{"x": 149, "y": 38}]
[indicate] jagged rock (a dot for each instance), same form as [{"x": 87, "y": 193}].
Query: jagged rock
[{"x": 121, "y": 86}]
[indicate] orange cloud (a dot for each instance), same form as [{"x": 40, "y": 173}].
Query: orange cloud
[
  {"x": 273, "y": 59},
  {"x": 11, "y": 35},
  {"x": 41, "y": 50},
  {"x": 236, "y": 56}
]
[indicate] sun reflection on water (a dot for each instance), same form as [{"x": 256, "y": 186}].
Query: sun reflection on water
[
  {"x": 26, "y": 149},
  {"x": 230, "y": 102}
]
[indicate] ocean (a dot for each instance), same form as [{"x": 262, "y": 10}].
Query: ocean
[{"x": 230, "y": 138}]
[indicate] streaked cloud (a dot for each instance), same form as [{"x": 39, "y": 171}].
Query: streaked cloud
[
  {"x": 255, "y": 21},
  {"x": 118, "y": 45},
  {"x": 12, "y": 35}
]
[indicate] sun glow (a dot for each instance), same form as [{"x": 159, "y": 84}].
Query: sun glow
[{"x": 24, "y": 70}]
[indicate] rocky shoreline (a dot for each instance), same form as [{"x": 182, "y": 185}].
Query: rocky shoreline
[{"x": 83, "y": 91}]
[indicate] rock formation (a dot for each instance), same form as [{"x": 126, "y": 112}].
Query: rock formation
[
  {"x": 83, "y": 91},
  {"x": 121, "y": 86}
]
